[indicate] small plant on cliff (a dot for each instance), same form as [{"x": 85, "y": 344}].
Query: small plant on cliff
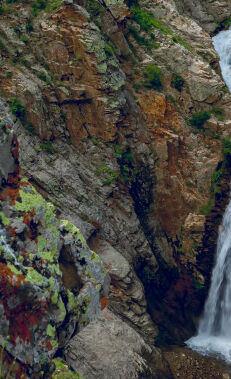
[
  {"x": 227, "y": 151},
  {"x": 153, "y": 77},
  {"x": 148, "y": 20},
  {"x": 109, "y": 51},
  {"x": 47, "y": 146},
  {"x": 219, "y": 113},
  {"x": 177, "y": 82},
  {"x": 63, "y": 372},
  {"x": 17, "y": 109},
  {"x": 94, "y": 7},
  {"x": 198, "y": 119}
]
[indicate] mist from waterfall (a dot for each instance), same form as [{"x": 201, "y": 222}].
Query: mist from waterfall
[{"x": 214, "y": 333}]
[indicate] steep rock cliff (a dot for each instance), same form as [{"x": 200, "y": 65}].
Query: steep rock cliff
[{"x": 114, "y": 150}]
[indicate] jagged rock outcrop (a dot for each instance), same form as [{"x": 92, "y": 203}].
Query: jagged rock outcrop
[{"x": 50, "y": 281}]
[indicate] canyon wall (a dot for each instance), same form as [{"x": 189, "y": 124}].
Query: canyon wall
[{"x": 101, "y": 94}]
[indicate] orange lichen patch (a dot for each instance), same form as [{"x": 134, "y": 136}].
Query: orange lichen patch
[
  {"x": 25, "y": 254},
  {"x": 158, "y": 112},
  {"x": 12, "y": 232},
  {"x": 33, "y": 227},
  {"x": 9, "y": 281},
  {"x": 10, "y": 194},
  {"x": 23, "y": 316},
  {"x": 104, "y": 302},
  {"x": 48, "y": 345}
]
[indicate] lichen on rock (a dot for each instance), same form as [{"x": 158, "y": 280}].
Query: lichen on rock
[{"x": 34, "y": 301}]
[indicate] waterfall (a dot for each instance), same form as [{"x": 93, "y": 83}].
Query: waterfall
[
  {"x": 222, "y": 45},
  {"x": 214, "y": 333}
]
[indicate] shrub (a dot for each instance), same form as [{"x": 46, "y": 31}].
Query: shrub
[
  {"x": 153, "y": 77},
  {"x": 47, "y": 146},
  {"x": 42, "y": 76},
  {"x": 29, "y": 26},
  {"x": 177, "y": 82},
  {"x": 108, "y": 50},
  {"x": 147, "y": 42},
  {"x": 17, "y": 109},
  {"x": 198, "y": 119},
  {"x": 37, "y": 6},
  {"x": 219, "y": 113},
  {"x": 133, "y": 2},
  {"x": 24, "y": 39},
  {"x": 95, "y": 7},
  {"x": 227, "y": 151},
  {"x": 147, "y": 20}
]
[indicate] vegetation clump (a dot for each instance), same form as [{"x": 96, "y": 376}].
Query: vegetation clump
[
  {"x": 148, "y": 20},
  {"x": 153, "y": 77},
  {"x": 219, "y": 113},
  {"x": 17, "y": 108},
  {"x": 47, "y": 146},
  {"x": 177, "y": 82},
  {"x": 198, "y": 119},
  {"x": 227, "y": 151}
]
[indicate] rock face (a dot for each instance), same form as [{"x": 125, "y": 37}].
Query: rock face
[
  {"x": 40, "y": 308},
  {"x": 109, "y": 348},
  {"x": 119, "y": 159}
]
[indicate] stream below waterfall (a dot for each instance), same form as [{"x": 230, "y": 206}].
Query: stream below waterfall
[{"x": 214, "y": 331}]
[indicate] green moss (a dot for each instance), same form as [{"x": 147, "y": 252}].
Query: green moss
[{"x": 62, "y": 371}]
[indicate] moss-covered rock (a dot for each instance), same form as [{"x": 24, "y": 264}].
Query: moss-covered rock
[{"x": 35, "y": 305}]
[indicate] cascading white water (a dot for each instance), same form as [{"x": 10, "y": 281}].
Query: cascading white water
[
  {"x": 222, "y": 45},
  {"x": 214, "y": 333}
]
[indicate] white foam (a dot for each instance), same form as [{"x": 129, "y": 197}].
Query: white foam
[
  {"x": 214, "y": 332},
  {"x": 222, "y": 45}
]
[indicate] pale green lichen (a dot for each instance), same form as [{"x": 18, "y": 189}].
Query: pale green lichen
[
  {"x": 72, "y": 229},
  {"x": 54, "y": 298},
  {"x": 4, "y": 220},
  {"x": 51, "y": 330},
  {"x": 94, "y": 257},
  {"x": 34, "y": 277},
  {"x": 62, "y": 309},
  {"x": 73, "y": 305},
  {"x": 31, "y": 200},
  {"x": 14, "y": 269}
]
